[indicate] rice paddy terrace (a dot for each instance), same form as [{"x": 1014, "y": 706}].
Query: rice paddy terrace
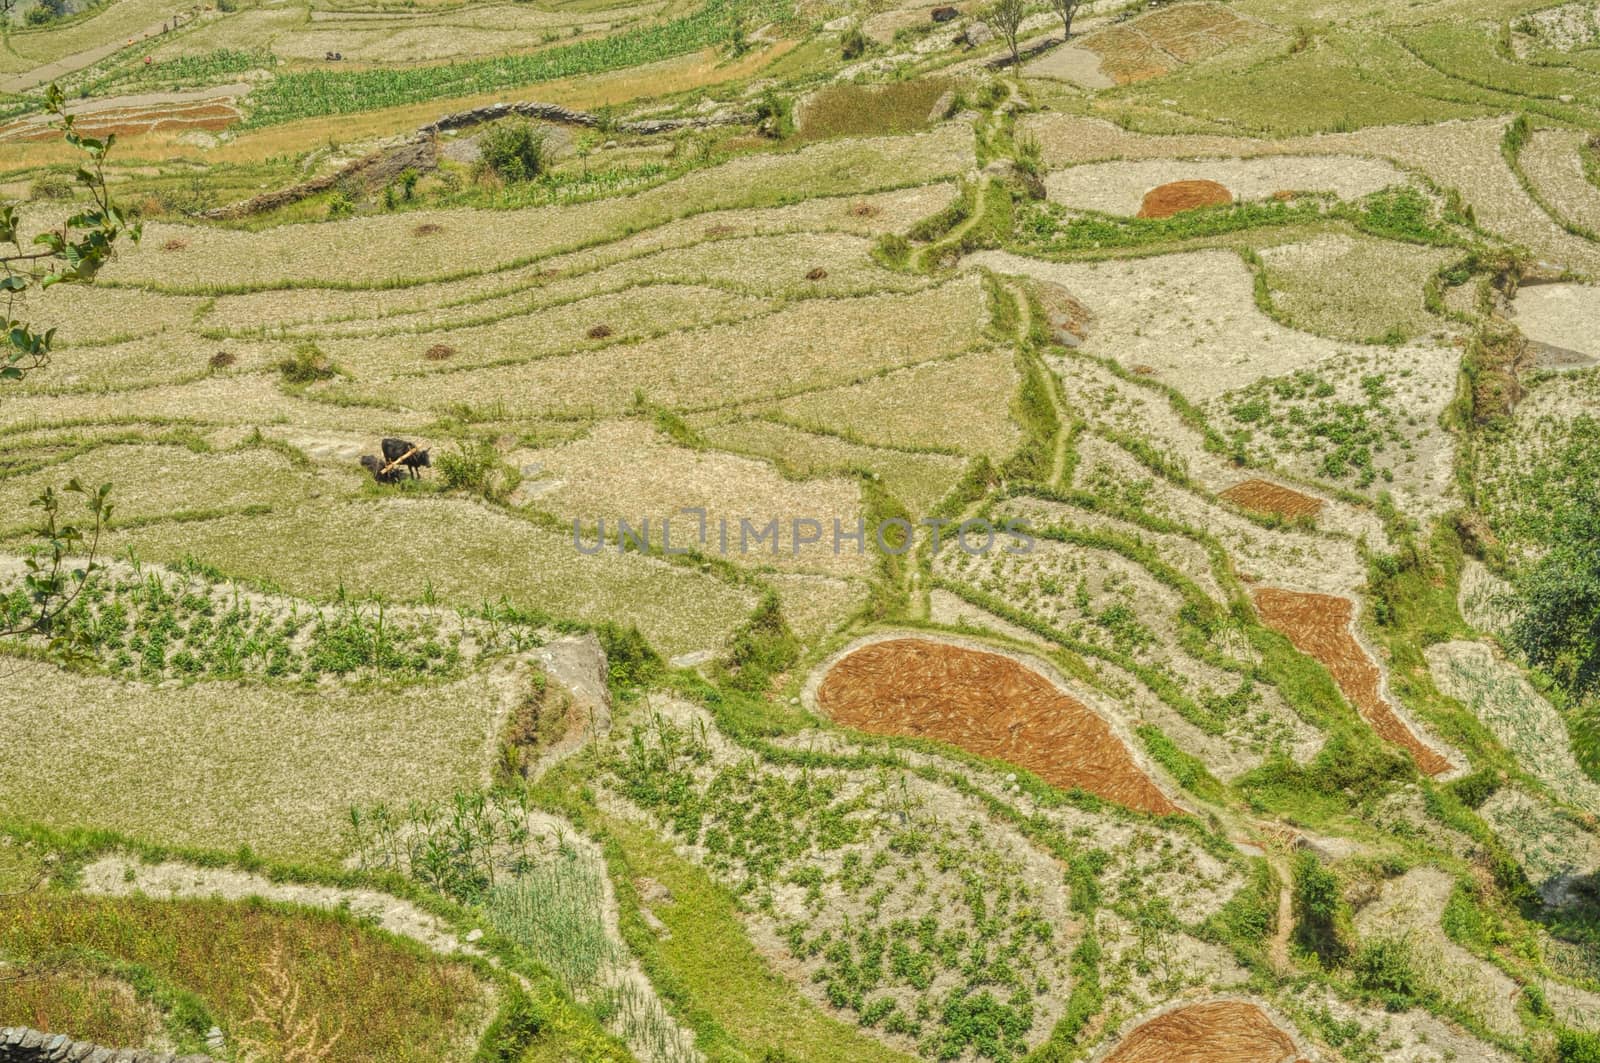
[{"x": 927, "y": 548}]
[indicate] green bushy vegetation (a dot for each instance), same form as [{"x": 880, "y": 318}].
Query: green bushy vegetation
[{"x": 313, "y": 93}]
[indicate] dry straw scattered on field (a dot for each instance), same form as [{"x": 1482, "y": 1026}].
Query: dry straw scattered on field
[
  {"x": 961, "y": 404},
  {"x": 626, "y": 470},
  {"x": 990, "y": 705},
  {"x": 819, "y": 344},
  {"x": 1216, "y": 1031},
  {"x": 380, "y": 250},
  {"x": 917, "y": 480},
  {"x": 1320, "y": 625},
  {"x": 1264, "y": 496},
  {"x": 468, "y": 553}
]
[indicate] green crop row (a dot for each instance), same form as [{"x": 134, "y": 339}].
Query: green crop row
[{"x": 314, "y": 93}]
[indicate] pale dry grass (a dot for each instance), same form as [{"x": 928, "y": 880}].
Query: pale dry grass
[
  {"x": 865, "y": 215},
  {"x": 1283, "y": 556},
  {"x": 626, "y": 470},
  {"x": 1119, "y": 187},
  {"x": 1408, "y": 907},
  {"x": 631, "y": 315},
  {"x": 816, "y": 344},
  {"x": 220, "y": 400},
  {"x": 1561, "y": 315},
  {"x": 760, "y": 266},
  {"x": 1527, "y": 724},
  {"x": 90, "y": 314},
  {"x": 1329, "y": 285},
  {"x": 961, "y": 404},
  {"x": 154, "y": 482},
  {"x": 220, "y": 765},
  {"x": 467, "y": 553},
  {"x": 1190, "y": 317},
  {"x": 1553, "y": 166},
  {"x": 917, "y": 480},
  {"x": 381, "y": 250},
  {"x": 1551, "y": 847}
]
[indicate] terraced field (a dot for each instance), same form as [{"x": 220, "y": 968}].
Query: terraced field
[{"x": 756, "y": 531}]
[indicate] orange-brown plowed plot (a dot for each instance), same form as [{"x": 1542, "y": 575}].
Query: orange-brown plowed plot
[
  {"x": 1222, "y": 1031},
  {"x": 209, "y": 115},
  {"x": 1163, "y": 201},
  {"x": 1319, "y": 625},
  {"x": 1262, "y": 496},
  {"x": 990, "y": 705}
]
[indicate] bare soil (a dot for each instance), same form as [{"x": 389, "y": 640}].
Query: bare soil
[
  {"x": 1319, "y": 625},
  {"x": 990, "y": 705}
]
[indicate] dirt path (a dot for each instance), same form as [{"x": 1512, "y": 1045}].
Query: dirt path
[{"x": 43, "y": 75}]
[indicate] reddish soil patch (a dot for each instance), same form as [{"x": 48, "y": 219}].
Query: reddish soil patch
[
  {"x": 990, "y": 705},
  {"x": 863, "y": 210},
  {"x": 1319, "y": 625},
  {"x": 599, "y": 332},
  {"x": 427, "y": 228},
  {"x": 1221, "y": 1031},
  {"x": 211, "y": 115},
  {"x": 439, "y": 352},
  {"x": 1175, "y": 197},
  {"x": 816, "y": 274},
  {"x": 1264, "y": 497}
]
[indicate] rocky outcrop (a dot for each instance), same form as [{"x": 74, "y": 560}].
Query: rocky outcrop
[
  {"x": 420, "y": 153},
  {"x": 18, "y": 1044},
  {"x": 551, "y": 112}
]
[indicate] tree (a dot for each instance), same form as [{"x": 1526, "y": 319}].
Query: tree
[
  {"x": 74, "y": 252},
  {"x": 59, "y": 566},
  {"x": 1066, "y": 9},
  {"x": 1006, "y": 16},
  {"x": 1558, "y": 626}
]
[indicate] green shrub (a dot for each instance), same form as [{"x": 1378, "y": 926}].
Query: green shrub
[
  {"x": 1473, "y": 790},
  {"x": 51, "y": 185},
  {"x": 1319, "y": 909},
  {"x": 1383, "y": 970},
  {"x": 515, "y": 150},
  {"x": 631, "y": 662},
  {"x": 307, "y": 365},
  {"x": 774, "y": 114},
  {"x": 854, "y": 43},
  {"x": 762, "y": 648},
  {"x": 1573, "y": 1046},
  {"x": 476, "y": 468}
]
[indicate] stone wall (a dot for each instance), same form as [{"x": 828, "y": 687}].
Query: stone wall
[{"x": 18, "y": 1044}]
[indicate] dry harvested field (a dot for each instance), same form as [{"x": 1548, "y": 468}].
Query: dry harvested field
[
  {"x": 1121, "y": 187},
  {"x": 1190, "y": 318},
  {"x": 990, "y": 705},
  {"x": 904, "y": 551},
  {"x": 1561, "y": 318},
  {"x": 1321, "y": 625},
  {"x": 1167, "y": 40}
]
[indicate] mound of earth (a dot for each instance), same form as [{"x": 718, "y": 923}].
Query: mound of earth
[
  {"x": 987, "y": 704},
  {"x": 1219, "y": 1031},
  {"x": 1175, "y": 197}
]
